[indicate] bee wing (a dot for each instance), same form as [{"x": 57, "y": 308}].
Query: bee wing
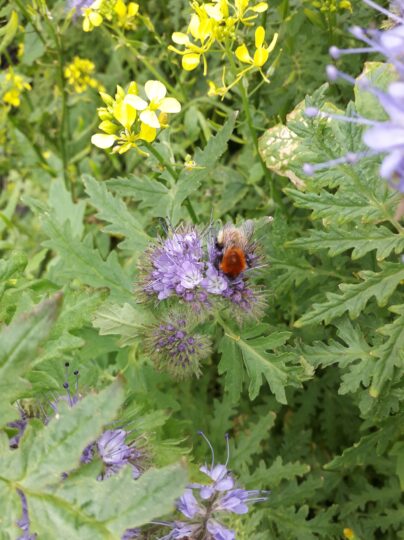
[{"x": 247, "y": 229}]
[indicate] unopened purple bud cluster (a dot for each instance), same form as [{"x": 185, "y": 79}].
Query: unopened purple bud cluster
[
  {"x": 176, "y": 341},
  {"x": 176, "y": 348},
  {"x": 382, "y": 137}
]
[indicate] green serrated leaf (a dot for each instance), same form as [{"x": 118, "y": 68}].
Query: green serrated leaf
[
  {"x": 113, "y": 210},
  {"x": 354, "y": 297},
  {"x": 45, "y": 452},
  {"x": 390, "y": 354},
  {"x": 64, "y": 209},
  {"x": 360, "y": 240},
  {"x": 81, "y": 261},
  {"x": 342, "y": 207},
  {"x": 120, "y": 503},
  {"x": 125, "y": 321},
  {"x": 206, "y": 159},
  {"x": 18, "y": 343},
  {"x": 254, "y": 345},
  {"x": 153, "y": 195}
]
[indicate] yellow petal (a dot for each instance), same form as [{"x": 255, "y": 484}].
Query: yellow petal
[
  {"x": 190, "y": 61},
  {"x": 108, "y": 127},
  {"x": 150, "y": 118},
  {"x": 170, "y": 105},
  {"x": 103, "y": 141},
  {"x": 155, "y": 90},
  {"x": 124, "y": 113},
  {"x": 260, "y": 56},
  {"x": 147, "y": 133},
  {"x": 214, "y": 12},
  {"x": 132, "y": 88},
  {"x": 180, "y": 38},
  {"x": 259, "y": 36},
  {"x": 133, "y": 9},
  {"x": 243, "y": 55},
  {"x": 95, "y": 18},
  {"x": 271, "y": 46},
  {"x": 120, "y": 8},
  {"x": 260, "y": 7},
  {"x": 194, "y": 25},
  {"x": 124, "y": 148},
  {"x": 87, "y": 26},
  {"x": 136, "y": 102}
]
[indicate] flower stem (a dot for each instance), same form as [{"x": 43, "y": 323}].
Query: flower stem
[
  {"x": 250, "y": 123},
  {"x": 64, "y": 123},
  {"x": 175, "y": 177}
]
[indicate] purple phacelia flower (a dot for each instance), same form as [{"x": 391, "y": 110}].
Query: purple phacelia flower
[
  {"x": 175, "y": 268},
  {"x": 200, "y": 271},
  {"x": 381, "y": 137},
  {"x": 176, "y": 348},
  {"x": 116, "y": 452},
  {"x": 202, "y": 505}
]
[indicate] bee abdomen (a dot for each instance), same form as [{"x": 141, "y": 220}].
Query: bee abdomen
[{"x": 233, "y": 262}]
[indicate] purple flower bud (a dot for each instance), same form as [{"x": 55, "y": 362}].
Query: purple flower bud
[
  {"x": 334, "y": 52},
  {"x": 311, "y": 112},
  {"x": 332, "y": 72},
  {"x": 173, "y": 348}
]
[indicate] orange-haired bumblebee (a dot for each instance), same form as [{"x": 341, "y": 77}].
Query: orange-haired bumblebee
[{"x": 233, "y": 247}]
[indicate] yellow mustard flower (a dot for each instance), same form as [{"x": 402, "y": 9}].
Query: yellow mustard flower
[
  {"x": 216, "y": 90},
  {"x": 242, "y": 7},
  {"x": 156, "y": 93},
  {"x": 201, "y": 28},
  {"x": 14, "y": 86},
  {"x": 126, "y": 14},
  {"x": 78, "y": 75},
  {"x": 122, "y": 127},
  {"x": 261, "y": 53},
  {"x": 349, "y": 534},
  {"x": 92, "y": 16},
  {"x": 345, "y": 4}
]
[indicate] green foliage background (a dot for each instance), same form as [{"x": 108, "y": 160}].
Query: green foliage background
[{"x": 311, "y": 394}]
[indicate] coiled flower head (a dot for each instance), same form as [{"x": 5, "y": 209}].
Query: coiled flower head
[{"x": 175, "y": 348}]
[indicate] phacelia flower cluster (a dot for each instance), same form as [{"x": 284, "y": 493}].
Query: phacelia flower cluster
[
  {"x": 176, "y": 348},
  {"x": 381, "y": 137},
  {"x": 204, "y": 505},
  {"x": 198, "y": 271},
  {"x": 123, "y": 127}
]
